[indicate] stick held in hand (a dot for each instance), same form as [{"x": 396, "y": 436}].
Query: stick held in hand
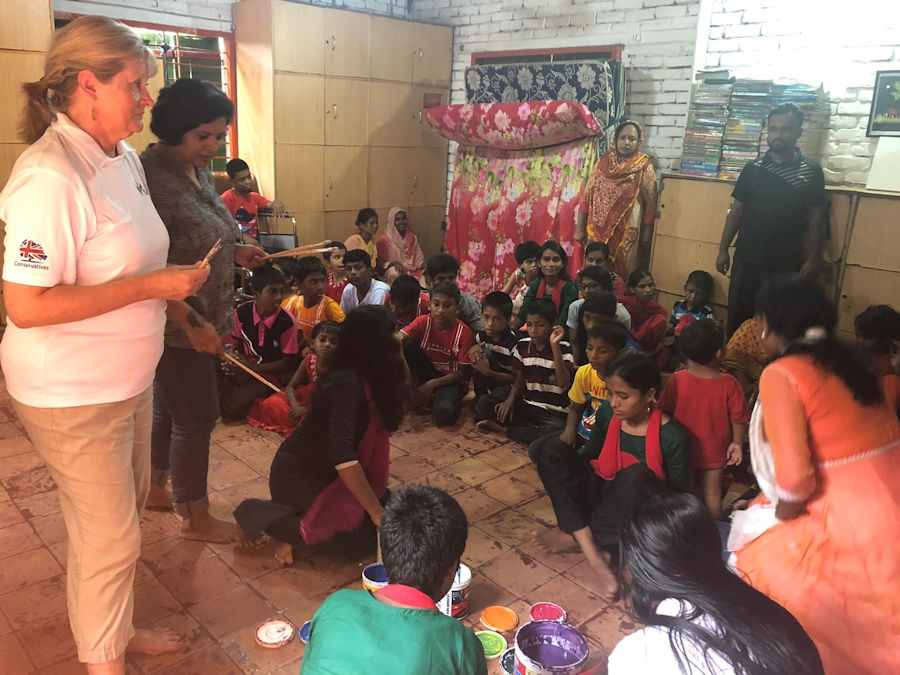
[{"x": 252, "y": 373}]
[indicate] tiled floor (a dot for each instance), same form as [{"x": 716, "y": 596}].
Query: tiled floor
[{"x": 216, "y": 596}]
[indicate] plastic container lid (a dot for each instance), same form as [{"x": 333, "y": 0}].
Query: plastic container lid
[
  {"x": 274, "y": 633},
  {"x": 304, "y": 632},
  {"x": 500, "y": 619},
  {"x": 549, "y": 611},
  {"x": 493, "y": 643}
]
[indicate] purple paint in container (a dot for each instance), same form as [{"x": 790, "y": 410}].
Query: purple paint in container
[{"x": 550, "y": 648}]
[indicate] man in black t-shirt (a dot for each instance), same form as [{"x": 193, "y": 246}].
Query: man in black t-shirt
[{"x": 778, "y": 215}]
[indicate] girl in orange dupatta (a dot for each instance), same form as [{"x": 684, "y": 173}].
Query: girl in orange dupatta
[
  {"x": 399, "y": 244},
  {"x": 821, "y": 540},
  {"x": 620, "y": 199}
]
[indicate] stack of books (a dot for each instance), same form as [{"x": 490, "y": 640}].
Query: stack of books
[
  {"x": 816, "y": 109},
  {"x": 705, "y": 126},
  {"x": 750, "y": 103}
]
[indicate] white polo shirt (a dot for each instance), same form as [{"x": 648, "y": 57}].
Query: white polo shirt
[
  {"x": 75, "y": 216},
  {"x": 376, "y": 295}
]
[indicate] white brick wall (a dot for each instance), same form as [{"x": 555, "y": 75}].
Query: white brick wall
[
  {"x": 658, "y": 35},
  {"x": 202, "y": 14},
  {"x": 839, "y": 45}
]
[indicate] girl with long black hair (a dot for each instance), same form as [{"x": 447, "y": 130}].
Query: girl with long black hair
[
  {"x": 553, "y": 282},
  {"x": 332, "y": 471},
  {"x": 700, "y": 617},
  {"x": 821, "y": 539}
]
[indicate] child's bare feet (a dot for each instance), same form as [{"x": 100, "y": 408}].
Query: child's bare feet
[
  {"x": 154, "y": 642},
  {"x": 609, "y": 585},
  {"x": 490, "y": 425},
  {"x": 284, "y": 553},
  {"x": 243, "y": 542},
  {"x": 159, "y": 499},
  {"x": 203, "y": 527},
  {"x": 557, "y": 541}
]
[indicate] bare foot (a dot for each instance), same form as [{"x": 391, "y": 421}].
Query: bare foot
[
  {"x": 243, "y": 542},
  {"x": 284, "y": 553},
  {"x": 159, "y": 499},
  {"x": 609, "y": 586},
  {"x": 557, "y": 541},
  {"x": 154, "y": 642},
  {"x": 203, "y": 527},
  {"x": 490, "y": 425}
]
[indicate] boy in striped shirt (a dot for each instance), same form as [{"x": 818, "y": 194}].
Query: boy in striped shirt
[
  {"x": 436, "y": 347},
  {"x": 538, "y": 401},
  {"x": 492, "y": 356}
]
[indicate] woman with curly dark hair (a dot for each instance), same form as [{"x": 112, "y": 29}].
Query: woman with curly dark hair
[{"x": 332, "y": 471}]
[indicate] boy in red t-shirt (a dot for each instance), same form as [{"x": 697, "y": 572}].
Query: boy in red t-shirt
[
  {"x": 711, "y": 405},
  {"x": 436, "y": 347},
  {"x": 243, "y": 204}
]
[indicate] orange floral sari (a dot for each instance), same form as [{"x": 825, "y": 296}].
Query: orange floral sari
[{"x": 619, "y": 197}]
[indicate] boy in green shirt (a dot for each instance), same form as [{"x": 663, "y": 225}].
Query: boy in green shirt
[{"x": 398, "y": 630}]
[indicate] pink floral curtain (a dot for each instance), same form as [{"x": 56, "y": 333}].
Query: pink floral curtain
[{"x": 500, "y": 198}]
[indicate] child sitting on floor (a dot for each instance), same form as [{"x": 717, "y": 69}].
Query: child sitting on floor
[
  {"x": 391, "y": 271},
  {"x": 282, "y": 412},
  {"x": 596, "y": 253},
  {"x": 436, "y": 347},
  {"x": 590, "y": 280},
  {"x": 878, "y": 334},
  {"x": 407, "y": 300},
  {"x": 638, "y": 453},
  {"x": 311, "y": 306},
  {"x": 745, "y": 357},
  {"x": 553, "y": 282},
  {"x": 711, "y": 406},
  {"x": 336, "y": 278},
  {"x": 364, "y": 239},
  {"x": 492, "y": 356},
  {"x": 598, "y": 307},
  {"x": 537, "y": 402},
  {"x": 526, "y": 273},
  {"x": 648, "y": 317},
  {"x": 444, "y": 267},
  {"x": 698, "y": 289},
  {"x": 397, "y": 629},
  {"x": 264, "y": 340},
  {"x": 362, "y": 289},
  {"x": 244, "y": 204}
]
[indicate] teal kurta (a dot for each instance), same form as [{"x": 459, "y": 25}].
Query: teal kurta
[
  {"x": 352, "y": 632},
  {"x": 567, "y": 297}
]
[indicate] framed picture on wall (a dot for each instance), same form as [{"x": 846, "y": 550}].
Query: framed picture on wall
[{"x": 884, "y": 117}]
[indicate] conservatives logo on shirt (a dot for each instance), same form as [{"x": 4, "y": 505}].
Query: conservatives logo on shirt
[{"x": 31, "y": 254}]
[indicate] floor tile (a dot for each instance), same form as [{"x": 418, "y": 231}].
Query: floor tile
[
  {"x": 260, "y": 462},
  {"x": 38, "y": 504},
  {"x": 511, "y": 527},
  {"x": 24, "y": 569},
  {"x": 202, "y": 580},
  {"x": 158, "y": 525},
  {"x": 207, "y": 661},
  {"x": 257, "y": 487},
  {"x": 13, "y": 465},
  {"x": 152, "y": 602},
  {"x": 517, "y": 572},
  {"x": 246, "y": 564},
  {"x": 481, "y": 548},
  {"x": 29, "y": 482},
  {"x": 528, "y": 474},
  {"x": 610, "y": 626},
  {"x": 504, "y": 458},
  {"x": 36, "y": 602},
  {"x": 583, "y": 575},
  {"x": 18, "y": 538},
  {"x": 443, "y": 481},
  {"x": 230, "y": 611},
  {"x": 229, "y": 473},
  {"x": 16, "y": 445},
  {"x": 69, "y": 666},
  {"x": 541, "y": 509},
  {"x": 509, "y": 490},
  {"x": 48, "y": 641},
  {"x": 166, "y": 554},
  {"x": 285, "y": 590},
  {"x": 483, "y": 593},
  {"x": 9, "y": 514},
  {"x": 51, "y": 529},
  {"x": 250, "y": 445},
  {"x": 557, "y": 560},
  {"x": 13, "y": 656},
  {"x": 442, "y": 453},
  {"x": 473, "y": 471},
  {"x": 409, "y": 468},
  {"x": 4, "y": 495},
  {"x": 218, "y": 454},
  {"x": 477, "y": 505},
  {"x": 580, "y": 604}
]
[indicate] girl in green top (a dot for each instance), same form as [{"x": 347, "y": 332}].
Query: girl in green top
[
  {"x": 638, "y": 450},
  {"x": 553, "y": 282}
]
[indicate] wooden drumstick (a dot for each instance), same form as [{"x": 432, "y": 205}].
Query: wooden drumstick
[{"x": 252, "y": 373}]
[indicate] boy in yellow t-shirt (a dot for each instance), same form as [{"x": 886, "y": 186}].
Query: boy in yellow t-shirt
[{"x": 311, "y": 305}]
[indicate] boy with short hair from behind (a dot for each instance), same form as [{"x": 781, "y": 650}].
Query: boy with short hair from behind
[
  {"x": 336, "y": 277},
  {"x": 397, "y": 629},
  {"x": 311, "y": 306},
  {"x": 711, "y": 405},
  {"x": 444, "y": 267},
  {"x": 362, "y": 289},
  {"x": 407, "y": 300},
  {"x": 597, "y": 253},
  {"x": 264, "y": 340},
  {"x": 516, "y": 287},
  {"x": 537, "y": 402},
  {"x": 492, "y": 356},
  {"x": 436, "y": 347},
  {"x": 244, "y": 204}
]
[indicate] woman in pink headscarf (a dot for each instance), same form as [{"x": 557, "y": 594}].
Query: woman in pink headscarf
[{"x": 399, "y": 244}]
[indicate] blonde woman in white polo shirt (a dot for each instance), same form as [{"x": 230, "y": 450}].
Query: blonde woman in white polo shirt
[{"x": 86, "y": 284}]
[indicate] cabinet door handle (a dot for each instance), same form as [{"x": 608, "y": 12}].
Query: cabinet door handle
[
  {"x": 415, "y": 181},
  {"x": 419, "y": 116},
  {"x": 419, "y": 52},
  {"x": 334, "y": 110},
  {"x": 333, "y": 42}
]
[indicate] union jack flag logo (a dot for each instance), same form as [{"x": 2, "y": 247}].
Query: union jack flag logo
[{"x": 31, "y": 251}]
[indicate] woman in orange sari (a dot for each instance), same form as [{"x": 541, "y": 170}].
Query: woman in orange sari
[
  {"x": 821, "y": 540},
  {"x": 619, "y": 202}
]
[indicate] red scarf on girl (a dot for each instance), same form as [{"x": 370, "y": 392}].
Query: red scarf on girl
[
  {"x": 612, "y": 459},
  {"x": 557, "y": 290}
]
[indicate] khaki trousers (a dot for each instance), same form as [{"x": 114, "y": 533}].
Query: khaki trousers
[{"x": 99, "y": 456}]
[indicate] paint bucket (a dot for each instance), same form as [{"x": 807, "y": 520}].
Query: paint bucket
[
  {"x": 508, "y": 661},
  {"x": 374, "y": 577},
  {"x": 304, "y": 632},
  {"x": 550, "y": 648},
  {"x": 456, "y": 602},
  {"x": 547, "y": 610}
]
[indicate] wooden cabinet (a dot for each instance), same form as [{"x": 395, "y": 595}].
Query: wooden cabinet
[
  {"x": 331, "y": 113},
  {"x": 15, "y": 68}
]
